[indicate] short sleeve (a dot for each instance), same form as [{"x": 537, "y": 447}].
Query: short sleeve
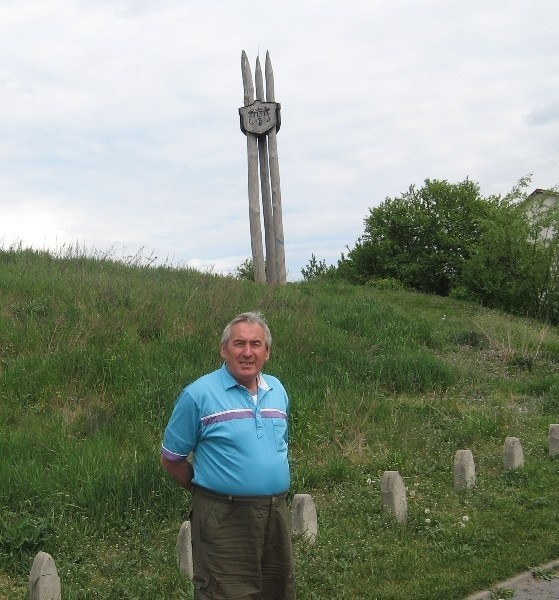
[{"x": 181, "y": 433}]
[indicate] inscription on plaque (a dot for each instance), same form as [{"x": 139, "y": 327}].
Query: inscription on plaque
[{"x": 259, "y": 117}]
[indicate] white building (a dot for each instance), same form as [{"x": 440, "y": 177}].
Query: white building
[{"x": 537, "y": 204}]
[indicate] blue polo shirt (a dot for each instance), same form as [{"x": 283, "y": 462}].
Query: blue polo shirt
[{"x": 240, "y": 448}]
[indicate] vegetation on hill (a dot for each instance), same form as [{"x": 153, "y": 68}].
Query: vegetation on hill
[
  {"x": 447, "y": 239},
  {"x": 94, "y": 352}
]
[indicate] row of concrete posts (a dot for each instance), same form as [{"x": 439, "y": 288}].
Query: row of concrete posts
[
  {"x": 393, "y": 490},
  {"x": 44, "y": 582}
]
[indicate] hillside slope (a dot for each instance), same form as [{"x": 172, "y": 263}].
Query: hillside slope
[{"x": 93, "y": 354}]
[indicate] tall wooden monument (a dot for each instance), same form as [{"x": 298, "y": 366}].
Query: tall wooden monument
[{"x": 260, "y": 122}]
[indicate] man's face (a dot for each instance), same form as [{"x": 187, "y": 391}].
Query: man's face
[{"x": 245, "y": 353}]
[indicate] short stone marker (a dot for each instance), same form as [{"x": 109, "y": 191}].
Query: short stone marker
[
  {"x": 464, "y": 470},
  {"x": 513, "y": 455},
  {"x": 393, "y": 492},
  {"x": 44, "y": 583},
  {"x": 303, "y": 517},
  {"x": 553, "y": 440},
  {"x": 184, "y": 550}
]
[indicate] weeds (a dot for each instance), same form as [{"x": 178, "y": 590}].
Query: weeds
[
  {"x": 21, "y": 536},
  {"x": 519, "y": 345},
  {"x": 541, "y": 573},
  {"x": 502, "y": 594}
]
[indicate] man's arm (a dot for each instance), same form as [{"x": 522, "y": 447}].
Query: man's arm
[{"x": 180, "y": 470}]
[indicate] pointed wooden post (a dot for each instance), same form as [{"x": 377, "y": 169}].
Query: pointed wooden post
[
  {"x": 253, "y": 197},
  {"x": 275, "y": 178},
  {"x": 269, "y": 234}
]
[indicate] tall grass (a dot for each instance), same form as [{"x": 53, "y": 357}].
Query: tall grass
[{"x": 93, "y": 352}]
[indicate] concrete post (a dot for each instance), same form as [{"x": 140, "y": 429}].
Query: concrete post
[
  {"x": 44, "y": 583},
  {"x": 184, "y": 550},
  {"x": 393, "y": 492},
  {"x": 513, "y": 455},
  {"x": 464, "y": 470},
  {"x": 303, "y": 517},
  {"x": 553, "y": 440}
]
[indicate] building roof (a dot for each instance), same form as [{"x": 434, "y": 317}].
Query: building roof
[{"x": 539, "y": 191}]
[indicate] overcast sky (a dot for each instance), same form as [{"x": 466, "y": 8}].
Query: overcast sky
[{"x": 119, "y": 124}]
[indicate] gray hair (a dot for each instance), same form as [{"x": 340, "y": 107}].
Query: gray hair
[{"x": 252, "y": 318}]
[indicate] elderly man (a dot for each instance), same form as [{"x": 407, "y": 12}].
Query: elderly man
[{"x": 234, "y": 421}]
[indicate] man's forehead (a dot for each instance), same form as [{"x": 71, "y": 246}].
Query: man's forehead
[{"x": 245, "y": 331}]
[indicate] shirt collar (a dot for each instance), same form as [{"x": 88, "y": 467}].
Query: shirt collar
[{"x": 229, "y": 381}]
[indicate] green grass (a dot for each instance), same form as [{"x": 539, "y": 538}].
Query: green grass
[{"x": 93, "y": 353}]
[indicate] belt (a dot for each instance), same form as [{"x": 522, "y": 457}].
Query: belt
[{"x": 245, "y": 500}]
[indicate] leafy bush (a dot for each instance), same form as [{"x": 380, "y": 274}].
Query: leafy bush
[
  {"x": 318, "y": 269},
  {"x": 21, "y": 536},
  {"x": 245, "y": 270},
  {"x": 385, "y": 283}
]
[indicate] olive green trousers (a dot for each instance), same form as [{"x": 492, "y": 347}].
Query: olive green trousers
[{"x": 241, "y": 547}]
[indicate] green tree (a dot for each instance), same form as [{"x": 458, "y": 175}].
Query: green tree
[
  {"x": 496, "y": 273},
  {"x": 514, "y": 265},
  {"x": 422, "y": 238}
]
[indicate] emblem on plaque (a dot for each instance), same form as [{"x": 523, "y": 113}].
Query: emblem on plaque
[{"x": 260, "y": 117}]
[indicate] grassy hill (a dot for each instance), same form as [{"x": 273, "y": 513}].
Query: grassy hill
[{"x": 94, "y": 352}]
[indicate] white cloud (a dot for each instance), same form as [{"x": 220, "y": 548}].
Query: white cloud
[
  {"x": 544, "y": 113},
  {"x": 119, "y": 122}
]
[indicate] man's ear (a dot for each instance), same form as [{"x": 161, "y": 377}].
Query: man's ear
[{"x": 222, "y": 351}]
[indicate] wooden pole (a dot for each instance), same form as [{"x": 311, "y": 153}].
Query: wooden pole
[
  {"x": 271, "y": 263},
  {"x": 275, "y": 180},
  {"x": 253, "y": 196}
]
